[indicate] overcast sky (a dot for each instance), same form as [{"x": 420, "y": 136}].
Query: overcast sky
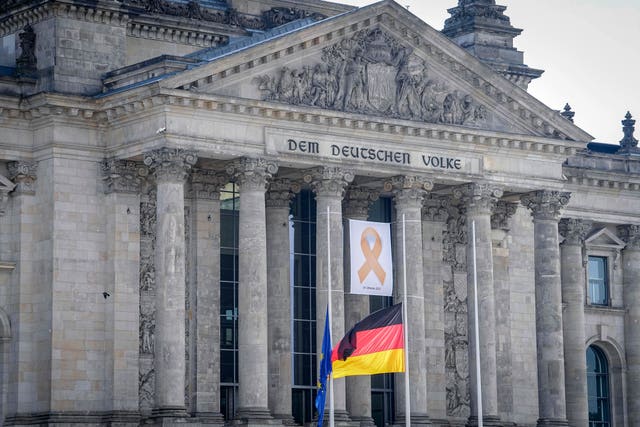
[{"x": 589, "y": 49}]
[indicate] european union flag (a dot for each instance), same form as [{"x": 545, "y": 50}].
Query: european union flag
[{"x": 325, "y": 369}]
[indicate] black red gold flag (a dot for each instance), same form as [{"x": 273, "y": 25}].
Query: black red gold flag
[{"x": 374, "y": 345}]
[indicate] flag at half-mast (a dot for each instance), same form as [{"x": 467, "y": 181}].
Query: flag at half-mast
[
  {"x": 325, "y": 369},
  {"x": 375, "y": 345}
]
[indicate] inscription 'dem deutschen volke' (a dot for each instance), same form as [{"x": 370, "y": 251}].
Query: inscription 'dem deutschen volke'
[{"x": 381, "y": 155}]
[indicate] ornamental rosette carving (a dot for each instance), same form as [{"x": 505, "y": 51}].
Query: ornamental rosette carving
[
  {"x": 206, "y": 184},
  {"x": 123, "y": 176},
  {"x": 436, "y": 209},
  {"x": 546, "y": 204},
  {"x": 479, "y": 198},
  {"x": 357, "y": 201},
  {"x": 501, "y": 214},
  {"x": 280, "y": 193},
  {"x": 23, "y": 174},
  {"x": 252, "y": 173},
  {"x": 170, "y": 164},
  {"x": 329, "y": 181},
  {"x": 574, "y": 230},
  {"x": 372, "y": 73},
  {"x": 630, "y": 234}
]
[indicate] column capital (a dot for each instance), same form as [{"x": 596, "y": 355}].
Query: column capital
[
  {"x": 329, "y": 181},
  {"x": 478, "y": 197},
  {"x": 357, "y": 201},
  {"x": 170, "y": 164},
  {"x": 410, "y": 189},
  {"x": 206, "y": 184},
  {"x": 23, "y": 174},
  {"x": 546, "y": 204},
  {"x": 436, "y": 209},
  {"x": 630, "y": 234},
  {"x": 252, "y": 173},
  {"x": 123, "y": 176},
  {"x": 502, "y": 211},
  {"x": 281, "y": 192},
  {"x": 574, "y": 230}
]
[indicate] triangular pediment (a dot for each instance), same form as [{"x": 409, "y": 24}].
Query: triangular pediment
[
  {"x": 604, "y": 238},
  {"x": 380, "y": 61}
]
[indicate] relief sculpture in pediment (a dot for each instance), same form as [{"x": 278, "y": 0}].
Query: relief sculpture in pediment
[{"x": 371, "y": 73}]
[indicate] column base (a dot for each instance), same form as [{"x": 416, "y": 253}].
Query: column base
[
  {"x": 419, "y": 419},
  {"x": 363, "y": 421},
  {"x": 255, "y": 417},
  {"x": 553, "y": 422},
  {"x": 209, "y": 418},
  {"x": 487, "y": 420},
  {"x": 169, "y": 416},
  {"x": 286, "y": 419}
]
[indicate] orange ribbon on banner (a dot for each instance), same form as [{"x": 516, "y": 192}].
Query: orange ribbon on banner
[{"x": 371, "y": 255}]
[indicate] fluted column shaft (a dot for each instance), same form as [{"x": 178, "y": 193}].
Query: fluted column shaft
[
  {"x": 480, "y": 200},
  {"x": 409, "y": 193},
  {"x": 279, "y": 298},
  {"x": 252, "y": 176},
  {"x": 545, "y": 206},
  {"x": 631, "y": 283},
  {"x": 170, "y": 167},
  {"x": 573, "y": 285},
  {"x": 358, "y": 388},
  {"x": 329, "y": 185}
]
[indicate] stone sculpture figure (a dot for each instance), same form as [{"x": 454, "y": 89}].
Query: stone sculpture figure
[{"x": 26, "y": 64}]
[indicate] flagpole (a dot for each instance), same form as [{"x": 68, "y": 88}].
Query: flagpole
[
  {"x": 477, "y": 329},
  {"x": 405, "y": 321},
  {"x": 331, "y": 402}
]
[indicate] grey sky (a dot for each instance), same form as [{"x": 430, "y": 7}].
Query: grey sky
[{"x": 589, "y": 50}]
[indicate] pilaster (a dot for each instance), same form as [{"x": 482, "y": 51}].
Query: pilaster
[
  {"x": 409, "y": 193},
  {"x": 329, "y": 185},
  {"x": 573, "y": 276},
  {"x": 170, "y": 168},
  {"x": 545, "y": 206},
  {"x": 480, "y": 199},
  {"x": 252, "y": 176},
  {"x": 630, "y": 234},
  {"x": 278, "y": 200},
  {"x": 205, "y": 247},
  {"x": 358, "y": 388}
]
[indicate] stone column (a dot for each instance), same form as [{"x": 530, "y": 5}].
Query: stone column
[
  {"x": 279, "y": 298},
  {"x": 434, "y": 217},
  {"x": 358, "y": 388},
  {"x": 545, "y": 206},
  {"x": 252, "y": 176},
  {"x": 329, "y": 185},
  {"x": 573, "y": 276},
  {"x": 479, "y": 200},
  {"x": 170, "y": 167},
  {"x": 409, "y": 192},
  {"x": 205, "y": 244},
  {"x": 631, "y": 282},
  {"x": 123, "y": 181}
]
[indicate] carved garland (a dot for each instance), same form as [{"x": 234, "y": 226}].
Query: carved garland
[{"x": 372, "y": 73}]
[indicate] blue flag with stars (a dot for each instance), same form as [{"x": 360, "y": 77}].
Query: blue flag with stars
[{"x": 325, "y": 370}]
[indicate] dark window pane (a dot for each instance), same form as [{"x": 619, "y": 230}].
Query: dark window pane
[
  {"x": 227, "y": 362},
  {"x": 302, "y": 369},
  {"x": 302, "y": 336},
  {"x": 302, "y": 301}
]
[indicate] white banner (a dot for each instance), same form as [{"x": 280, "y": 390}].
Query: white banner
[{"x": 371, "y": 263}]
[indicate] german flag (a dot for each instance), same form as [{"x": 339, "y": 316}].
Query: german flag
[{"x": 375, "y": 345}]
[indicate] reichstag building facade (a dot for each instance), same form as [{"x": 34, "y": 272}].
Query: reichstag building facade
[{"x": 177, "y": 175}]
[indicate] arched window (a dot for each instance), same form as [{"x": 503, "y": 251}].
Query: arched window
[{"x": 598, "y": 388}]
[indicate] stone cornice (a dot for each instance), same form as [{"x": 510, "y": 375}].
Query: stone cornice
[{"x": 602, "y": 179}]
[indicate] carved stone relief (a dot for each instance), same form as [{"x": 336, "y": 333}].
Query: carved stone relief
[
  {"x": 372, "y": 73},
  {"x": 189, "y": 307}
]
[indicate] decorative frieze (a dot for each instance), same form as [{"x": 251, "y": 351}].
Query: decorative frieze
[
  {"x": 357, "y": 201},
  {"x": 170, "y": 164},
  {"x": 123, "y": 176},
  {"x": 329, "y": 181},
  {"x": 23, "y": 174},
  {"x": 630, "y": 234},
  {"x": 574, "y": 230},
  {"x": 478, "y": 197},
  {"x": 252, "y": 174},
  {"x": 546, "y": 204}
]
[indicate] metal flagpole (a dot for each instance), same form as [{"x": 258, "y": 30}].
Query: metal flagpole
[
  {"x": 331, "y": 407},
  {"x": 405, "y": 321},
  {"x": 477, "y": 329}
]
